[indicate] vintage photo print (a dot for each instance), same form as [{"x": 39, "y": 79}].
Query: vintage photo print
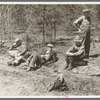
[{"x": 49, "y": 49}]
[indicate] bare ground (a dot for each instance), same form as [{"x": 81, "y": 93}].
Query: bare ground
[{"x": 82, "y": 80}]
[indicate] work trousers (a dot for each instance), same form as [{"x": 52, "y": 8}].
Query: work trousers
[
  {"x": 36, "y": 60},
  {"x": 73, "y": 59},
  {"x": 86, "y": 41}
]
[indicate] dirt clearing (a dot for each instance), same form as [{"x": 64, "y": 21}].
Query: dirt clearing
[{"x": 82, "y": 80}]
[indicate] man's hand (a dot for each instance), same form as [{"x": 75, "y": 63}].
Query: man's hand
[
  {"x": 18, "y": 54},
  {"x": 79, "y": 30},
  {"x": 42, "y": 56},
  {"x": 70, "y": 54}
]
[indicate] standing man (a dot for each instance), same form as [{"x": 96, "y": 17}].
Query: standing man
[{"x": 83, "y": 26}]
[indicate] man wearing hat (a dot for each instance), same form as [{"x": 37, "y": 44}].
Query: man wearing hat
[
  {"x": 37, "y": 60},
  {"x": 83, "y": 26},
  {"x": 75, "y": 53},
  {"x": 17, "y": 51}
]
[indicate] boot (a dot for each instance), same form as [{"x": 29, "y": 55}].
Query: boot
[
  {"x": 14, "y": 64},
  {"x": 9, "y": 63},
  {"x": 70, "y": 66},
  {"x": 30, "y": 69},
  {"x": 33, "y": 68},
  {"x": 67, "y": 63},
  {"x": 87, "y": 56},
  {"x": 66, "y": 66},
  {"x": 39, "y": 66}
]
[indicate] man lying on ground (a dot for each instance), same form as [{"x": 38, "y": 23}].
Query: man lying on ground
[
  {"x": 37, "y": 60},
  {"x": 17, "y": 52},
  {"x": 75, "y": 53}
]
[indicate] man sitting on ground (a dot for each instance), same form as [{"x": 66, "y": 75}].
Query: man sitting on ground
[
  {"x": 75, "y": 53},
  {"x": 36, "y": 60},
  {"x": 17, "y": 52}
]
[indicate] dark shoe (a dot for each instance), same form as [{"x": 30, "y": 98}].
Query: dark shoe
[
  {"x": 87, "y": 56},
  {"x": 39, "y": 66},
  {"x": 14, "y": 64},
  {"x": 9, "y": 63},
  {"x": 66, "y": 66},
  {"x": 30, "y": 69},
  {"x": 70, "y": 66}
]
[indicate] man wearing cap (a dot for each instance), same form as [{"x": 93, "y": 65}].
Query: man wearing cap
[
  {"x": 37, "y": 60},
  {"x": 83, "y": 26},
  {"x": 75, "y": 53},
  {"x": 17, "y": 51}
]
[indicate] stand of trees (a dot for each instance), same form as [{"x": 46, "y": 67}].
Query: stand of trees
[{"x": 42, "y": 23}]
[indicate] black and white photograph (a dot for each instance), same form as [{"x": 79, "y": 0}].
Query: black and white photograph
[{"x": 49, "y": 49}]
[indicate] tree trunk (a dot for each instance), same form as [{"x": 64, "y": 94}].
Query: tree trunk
[
  {"x": 43, "y": 24},
  {"x": 54, "y": 31},
  {"x": 43, "y": 33}
]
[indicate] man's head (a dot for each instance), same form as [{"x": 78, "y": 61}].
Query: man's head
[
  {"x": 50, "y": 46},
  {"x": 17, "y": 42},
  {"x": 78, "y": 41},
  {"x": 86, "y": 12}
]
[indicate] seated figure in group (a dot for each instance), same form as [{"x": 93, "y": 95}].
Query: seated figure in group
[
  {"x": 75, "y": 53},
  {"x": 37, "y": 60},
  {"x": 17, "y": 52}
]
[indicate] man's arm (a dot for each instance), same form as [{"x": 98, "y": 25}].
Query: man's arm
[
  {"x": 25, "y": 49},
  {"x": 76, "y": 23},
  {"x": 69, "y": 52},
  {"x": 79, "y": 52},
  {"x": 12, "y": 47}
]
